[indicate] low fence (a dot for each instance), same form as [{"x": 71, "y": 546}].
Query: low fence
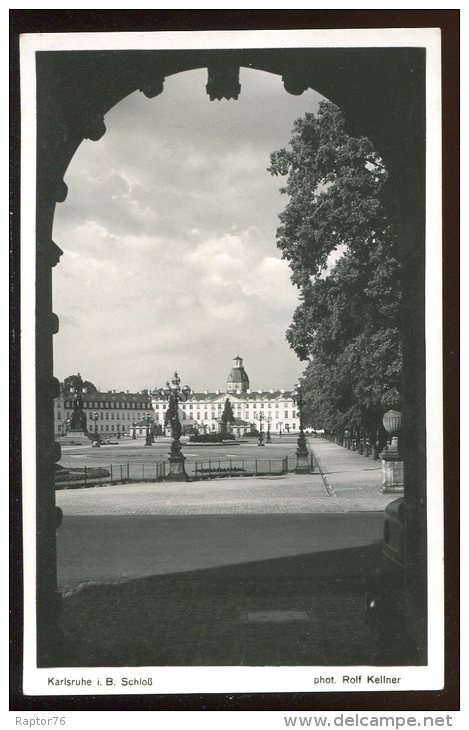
[
  {"x": 216, "y": 468},
  {"x": 88, "y": 476}
]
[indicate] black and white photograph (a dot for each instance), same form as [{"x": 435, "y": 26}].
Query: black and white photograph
[{"x": 231, "y": 374}]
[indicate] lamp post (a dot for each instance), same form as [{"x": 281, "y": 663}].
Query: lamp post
[
  {"x": 174, "y": 394},
  {"x": 347, "y": 438},
  {"x": 303, "y": 464},
  {"x": 260, "y": 417},
  {"x": 95, "y": 419},
  {"x": 134, "y": 430},
  {"x": 268, "y": 420},
  {"x": 148, "y": 436}
]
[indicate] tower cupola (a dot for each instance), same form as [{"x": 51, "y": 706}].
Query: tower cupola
[{"x": 238, "y": 381}]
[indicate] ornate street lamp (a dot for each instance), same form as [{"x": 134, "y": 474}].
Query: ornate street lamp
[
  {"x": 268, "y": 420},
  {"x": 134, "y": 430},
  {"x": 260, "y": 417},
  {"x": 96, "y": 437},
  {"x": 148, "y": 435},
  {"x": 174, "y": 394},
  {"x": 303, "y": 462}
]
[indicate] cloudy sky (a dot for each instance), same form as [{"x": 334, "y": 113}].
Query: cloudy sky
[{"x": 168, "y": 232}]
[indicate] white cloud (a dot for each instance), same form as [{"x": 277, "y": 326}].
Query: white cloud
[
  {"x": 169, "y": 239},
  {"x": 217, "y": 254}
]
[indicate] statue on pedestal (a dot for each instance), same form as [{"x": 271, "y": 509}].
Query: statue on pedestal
[{"x": 78, "y": 418}]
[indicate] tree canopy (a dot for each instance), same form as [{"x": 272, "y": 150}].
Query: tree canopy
[
  {"x": 227, "y": 415},
  {"x": 77, "y": 382},
  {"x": 341, "y": 247}
]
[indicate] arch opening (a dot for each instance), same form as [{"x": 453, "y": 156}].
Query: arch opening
[{"x": 386, "y": 109}]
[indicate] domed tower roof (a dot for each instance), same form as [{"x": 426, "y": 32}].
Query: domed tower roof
[{"x": 238, "y": 381}]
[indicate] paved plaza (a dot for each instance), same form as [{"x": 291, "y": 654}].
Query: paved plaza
[
  {"x": 226, "y": 572},
  {"x": 347, "y": 482}
]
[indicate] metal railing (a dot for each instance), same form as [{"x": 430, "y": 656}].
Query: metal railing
[
  {"x": 88, "y": 476},
  {"x": 217, "y": 468}
]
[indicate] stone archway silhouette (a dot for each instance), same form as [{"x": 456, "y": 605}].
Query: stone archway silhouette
[{"x": 382, "y": 93}]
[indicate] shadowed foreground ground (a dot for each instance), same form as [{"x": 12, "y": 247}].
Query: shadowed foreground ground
[{"x": 202, "y": 617}]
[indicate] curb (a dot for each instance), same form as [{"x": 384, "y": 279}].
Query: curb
[{"x": 328, "y": 486}]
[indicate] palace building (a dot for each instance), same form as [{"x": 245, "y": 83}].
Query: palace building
[
  {"x": 119, "y": 411},
  {"x": 204, "y": 409}
]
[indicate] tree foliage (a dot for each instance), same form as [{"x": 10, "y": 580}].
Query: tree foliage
[
  {"x": 341, "y": 247},
  {"x": 77, "y": 382},
  {"x": 227, "y": 415}
]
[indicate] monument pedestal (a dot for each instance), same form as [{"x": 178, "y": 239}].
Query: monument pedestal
[
  {"x": 303, "y": 457},
  {"x": 75, "y": 437},
  {"x": 303, "y": 464},
  {"x": 177, "y": 472},
  {"x": 393, "y": 469}
]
